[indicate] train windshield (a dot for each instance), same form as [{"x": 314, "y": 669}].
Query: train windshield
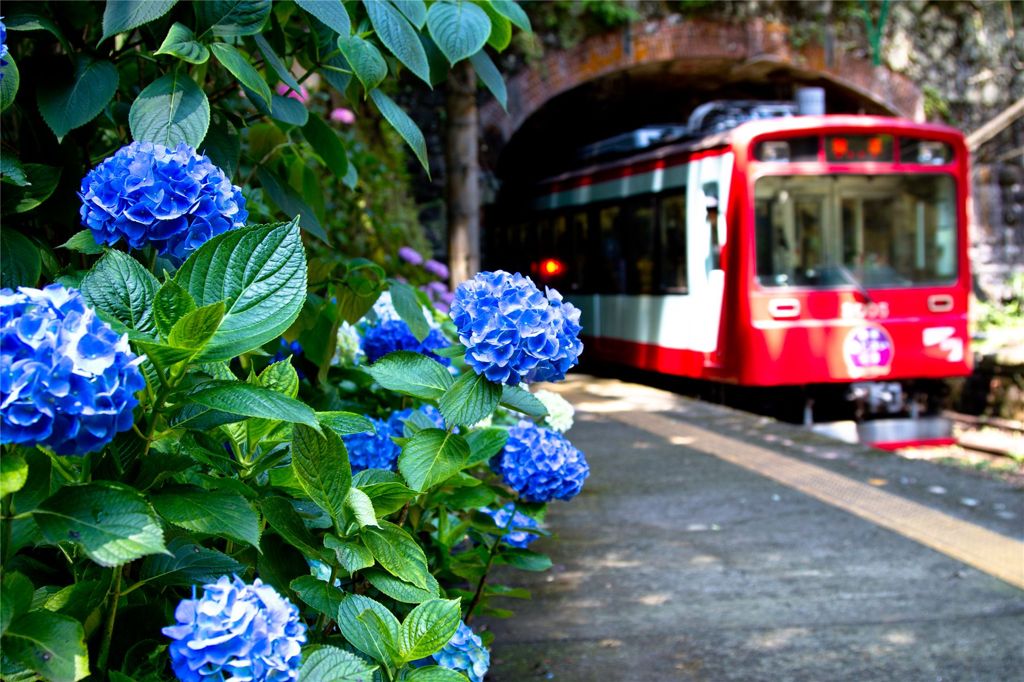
[{"x": 860, "y": 230}]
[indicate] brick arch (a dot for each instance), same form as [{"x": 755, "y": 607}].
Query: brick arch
[{"x": 700, "y": 48}]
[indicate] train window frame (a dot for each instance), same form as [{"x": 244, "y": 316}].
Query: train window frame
[{"x": 661, "y": 200}]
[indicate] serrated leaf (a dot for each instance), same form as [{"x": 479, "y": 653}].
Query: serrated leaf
[
  {"x": 188, "y": 564},
  {"x": 412, "y": 374},
  {"x": 170, "y": 304},
  {"x": 409, "y": 308},
  {"x": 460, "y": 29},
  {"x": 288, "y": 200},
  {"x": 320, "y": 463},
  {"x": 119, "y": 286},
  {"x": 319, "y": 595},
  {"x": 50, "y": 644},
  {"x": 435, "y": 673},
  {"x": 428, "y": 627},
  {"x": 345, "y": 423},
  {"x": 525, "y": 559},
  {"x": 485, "y": 443},
  {"x": 83, "y": 242},
  {"x": 11, "y": 171},
  {"x": 124, "y": 15},
  {"x": 9, "y": 83},
  {"x": 377, "y": 643},
  {"x": 365, "y": 59},
  {"x": 388, "y": 497},
  {"x": 222, "y": 143},
  {"x": 397, "y": 552},
  {"x": 400, "y": 590},
  {"x": 13, "y": 472},
  {"x": 281, "y": 377},
  {"x": 326, "y": 144},
  {"x": 236, "y": 397},
  {"x": 66, "y": 105},
  {"x": 240, "y": 67},
  {"x": 331, "y": 664},
  {"x": 181, "y": 43},
  {"x": 331, "y": 12},
  {"x": 231, "y": 18},
  {"x": 283, "y": 518},
  {"x": 196, "y": 327},
  {"x": 20, "y": 263},
  {"x": 362, "y": 508},
  {"x": 471, "y": 398},
  {"x": 260, "y": 274},
  {"x": 112, "y": 523},
  {"x": 275, "y": 63},
  {"x": 212, "y": 512},
  {"x": 520, "y": 400},
  {"x": 15, "y": 597},
  {"x": 515, "y": 13},
  {"x": 170, "y": 110},
  {"x": 431, "y": 457},
  {"x": 398, "y": 35},
  {"x": 351, "y": 554},
  {"x": 405, "y": 126},
  {"x": 42, "y": 181},
  {"x": 491, "y": 77}
]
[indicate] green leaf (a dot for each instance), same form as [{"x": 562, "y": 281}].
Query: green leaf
[
  {"x": 515, "y": 13},
  {"x": 326, "y": 144},
  {"x": 365, "y": 59},
  {"x": 388, "y": 497},
  {"x": 431, "y": 457},
  {"x": 331, "y": 12},
  {"x": 428, "y": 627},
  {"x": 69, "y": 104},
  {"x": 13, "y": 472},
  {"x": 197, "y": 327},
  {"x": 491, "y": 77},
  {"x": 331, "y": 664},
  {"x": 124, "y": 15},
  {"x": 83, "y": 242},
  {"x": 15, "y": 597},
  {"x": 170, "y": 110},
  {"x": 188, "y": 564},
  {"x": 409, "y": 308},
  {"x": 414, "y": 10},
  {"x": 236, "y": 397},
  {"x": 398, "y": 35},
  {"x": 399, "y": 590},
  {"x": 170, "y": 304},
  {"x": 212, "y": 512},
  {"x": 283, "y": 518},
  {"x": 376, "y": 642},
  {"x": 281, "y": 377},
  {"x": 318, "y": 594},
  {"x": 229, "y": 18},
  {"x": 279, "y": 67},
  {"x": 471, "y": 399},
  {"x": 11, "y": 171},
  {"x": 50, "y": 644},
  {"x": 362, "y": 508},
  {"x": 412, "y": 374},
  {"x": 222, "y": 143},
  {"x": 20, "y": 263},
  {"x": 181, "y": 43},
  {"x": 520, "y": 400},
  {"x": 460, "y": 29},
  {"x": 396, "y": 551},
  {"x": 239, "y": 66},
  {"x": 290, "y": 202},
  {"x": 485, "y": 443},
  {"x": 321, "y": 467},
  {"x": 42, "y": 181},
  {"x": 9, "y": 84},
  {"x": 525, "y": 559},
  {"x": 119, "y": 286},
  {"x": 435, "y": 673},
  {"x": 351, "y": 554},
  {"x": 345, "y": 423},
  {"x": 260, "y": 273},
  {"x": 501, "y": 27},
  {"x": 112, "y": 523},
  {"x": 405, "y": 126}
]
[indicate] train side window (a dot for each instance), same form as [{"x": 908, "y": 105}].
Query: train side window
[
  {"x": 611, "y": 264},
  {"x": 639, "y": 237},
  {"x": 672, "y": 222},
  {"x": 578, "y": 259}
]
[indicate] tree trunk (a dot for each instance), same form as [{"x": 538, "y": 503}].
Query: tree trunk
[{"x": 462, "y": 172}]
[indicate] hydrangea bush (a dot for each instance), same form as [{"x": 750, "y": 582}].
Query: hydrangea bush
[{"x": 221, "y": 460}]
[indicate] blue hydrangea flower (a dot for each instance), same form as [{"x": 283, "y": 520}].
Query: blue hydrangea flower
[
  {"x": 373, "y": 450},
  {"x": 3, "y": 47},
  {"x": 236, "y": 631},
  {"x": 513, "y": 332},
  {"x": 508, "y": 517},
  {"x": 148, "y": 194},
  {"x": 541, "y": 465},
  {"x": 466, "y": 653},
  {"x": 67, "y": 380},
  {"x": 387, "y": 337}
]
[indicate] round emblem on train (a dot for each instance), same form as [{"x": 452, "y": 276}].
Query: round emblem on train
[{"x": 868, "y": 351}]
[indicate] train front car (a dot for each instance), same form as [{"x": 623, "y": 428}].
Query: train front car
[{"x": 851, "y": 264}]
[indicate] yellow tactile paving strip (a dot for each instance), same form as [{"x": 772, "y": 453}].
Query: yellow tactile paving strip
[{"x": 995, "y": 554}]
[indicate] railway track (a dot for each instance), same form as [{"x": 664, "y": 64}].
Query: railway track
[{"x": 989, "y": 435}]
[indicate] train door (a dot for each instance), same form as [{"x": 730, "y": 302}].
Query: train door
[{"x": 707, "y": 199}]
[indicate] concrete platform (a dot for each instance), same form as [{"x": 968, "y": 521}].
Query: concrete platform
[{"x": 676, "y": 563}]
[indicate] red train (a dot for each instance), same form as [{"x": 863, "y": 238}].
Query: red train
[{"x": 758, "y": 247}]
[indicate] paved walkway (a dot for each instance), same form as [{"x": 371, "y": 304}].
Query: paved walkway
[{"x": 692, "y": 554}]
